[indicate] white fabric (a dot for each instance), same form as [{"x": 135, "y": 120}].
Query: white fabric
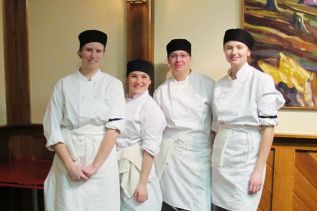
[
  {"x": 153, "y": 203},
  {"x": 78, "y": 102},
  {"x": 130, "y": 166},
  {"x": 145, "y": 123},
  {"x": 231, "y": 177},
  {"x": 165, "y": 156},
  {"x": 86, "y": 107},
  {"x": 243, "y": 100},
  {"x": 98, "y": 193},
  {"x": 241, "y": 106},
  {"x": 186, "y": 104}
]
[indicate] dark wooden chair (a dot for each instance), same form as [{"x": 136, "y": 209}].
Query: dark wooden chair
[{"x": 24, "y": 163}]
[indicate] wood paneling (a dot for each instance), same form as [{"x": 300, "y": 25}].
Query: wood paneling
[
  {"x": 305, "y": 190},
  {"x": 266, "y": 199},
  {"x": 283, "y": 178},
  {"x": 16, "y": 62},
  {"x": 140, "y": 23},
  {"x": 291, "y": 175},
  {"x": 140, "y": 37}
]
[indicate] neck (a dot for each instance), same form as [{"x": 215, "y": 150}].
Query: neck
[
  {"x": 181, "y": 77},
  {"x": 234, "y": 70},
  {"x": 87, "y": 72}
]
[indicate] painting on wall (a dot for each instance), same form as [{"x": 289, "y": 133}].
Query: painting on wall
[{"x": 285, "y": 32}]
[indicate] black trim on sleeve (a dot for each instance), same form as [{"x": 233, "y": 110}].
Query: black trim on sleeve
[
  {"x": 268, "y": 117},
  {"x": 114, "y": 119}
]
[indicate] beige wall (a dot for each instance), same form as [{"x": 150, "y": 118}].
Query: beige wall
[
  {"x": 203, "y": 23},
  {"x": 3, "y": 119},
  {"x": 54, "y": 26}
]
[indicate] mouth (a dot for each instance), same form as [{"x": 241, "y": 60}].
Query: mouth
[
  {"x": 179, "y": 65},
  {"x": 92, "y": 61},
  {"x": 234, "y": 58}
]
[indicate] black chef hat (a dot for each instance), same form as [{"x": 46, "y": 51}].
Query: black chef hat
[
  {"x": 239, "y": 35},
  {"x": 178, "y": 44},
  {"x": 140, "y": 65},
  {"x": 92, "y": 36}
]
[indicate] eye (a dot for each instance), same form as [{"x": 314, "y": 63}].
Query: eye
[
  {"x": 228, "y": 47},
  {"x": 88, "y": 49}
]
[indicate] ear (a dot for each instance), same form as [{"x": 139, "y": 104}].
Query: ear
[
  {"x": 249, "y": 52},
  {"x": 79, "y": 54}
]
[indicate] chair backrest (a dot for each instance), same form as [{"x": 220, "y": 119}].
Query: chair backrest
[{"x": 28, "y": 147}]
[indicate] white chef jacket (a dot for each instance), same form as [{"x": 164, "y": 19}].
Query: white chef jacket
[
  {"x": 85, "y": 108},
  {"x": 251, "y": 99},
  {"x": 241, "y": 106},
  {"x": 145, "y": 123},
  {"x": 185, "y": 182}
]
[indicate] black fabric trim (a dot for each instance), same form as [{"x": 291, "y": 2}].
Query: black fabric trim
[
  {"x": 268, "y": 117},
  {"x": 114, "y": 119}
]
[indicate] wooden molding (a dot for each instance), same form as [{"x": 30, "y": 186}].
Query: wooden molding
[
  {"x": 295, "y": 136},
  {"x": 140, "y": 29},
  {"x": 140, "y": 21},
  {"x": 16, "y": 62}
]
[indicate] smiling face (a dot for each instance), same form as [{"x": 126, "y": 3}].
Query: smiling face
[
  {"x": 91, "y": 55},
  {"x": 138, "y": 82},
  {"x": 179, "y": 62},
  {"x": 236, "y": 53}
]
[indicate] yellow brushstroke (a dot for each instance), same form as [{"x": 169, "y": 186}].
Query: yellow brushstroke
[{"x": 289, "y": 72}]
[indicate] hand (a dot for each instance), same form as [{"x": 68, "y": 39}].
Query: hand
[
  {"x": 255, "y": 182},
  {"x": 89, "y": 170},
  {"x": 140, "y": 193},
  {"x": 76, "y": 174}
]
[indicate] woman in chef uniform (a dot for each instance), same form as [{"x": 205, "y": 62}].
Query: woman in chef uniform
[
  {"x": 140, "y": 142},
  {"x": 245, "y": 113},
  {"x": 82, "y": 122},
  {"x": 184, "y": 161}
]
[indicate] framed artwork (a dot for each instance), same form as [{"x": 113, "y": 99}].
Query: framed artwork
[{"x": 285, "y": 33}]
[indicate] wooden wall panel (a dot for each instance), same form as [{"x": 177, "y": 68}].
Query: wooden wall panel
[
  {"x": 305, "y": 190},
  {"x": 16, "y": 62},
  {"x": 291, "y": 177},
  {"x": 283, "y": 178},
  {"x": 266, "y": 199},
  {"x": 140, "y": 25},
  {"x": 140, "y": 37}
]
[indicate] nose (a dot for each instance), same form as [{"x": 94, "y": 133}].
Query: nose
[
  {"x": 139, "y": 80},
  {"x": 93, "y": 54},
  {"x": 178, "y": 58},
  {"x": 234, "y": 50}
]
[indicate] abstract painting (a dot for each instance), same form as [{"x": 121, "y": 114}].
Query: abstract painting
[{"x": 285, "y": 33}]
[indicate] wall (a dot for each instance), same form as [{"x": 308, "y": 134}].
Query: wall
[
  {"x": 3, "y": 119},
  {"x": 204, "y": 23},
  {"x": 55, "y": 24},
  {"x": 53, "y": 29}
]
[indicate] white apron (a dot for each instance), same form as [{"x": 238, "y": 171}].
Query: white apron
[
  {"x": 185, "y": 157},
  {"x": 184, "y": 160},
  {"x": 99, "y": 193},
  {"x": 234, "y": 157},
  {"x": 130, "y": 166}
]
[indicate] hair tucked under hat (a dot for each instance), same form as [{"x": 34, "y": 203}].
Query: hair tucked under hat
[
  {"x": 240, "y": 35},
  {"x": 92, "y": 36},
  {"x": 178, "y": 44},
  {"x": 140, "y": 65}
]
